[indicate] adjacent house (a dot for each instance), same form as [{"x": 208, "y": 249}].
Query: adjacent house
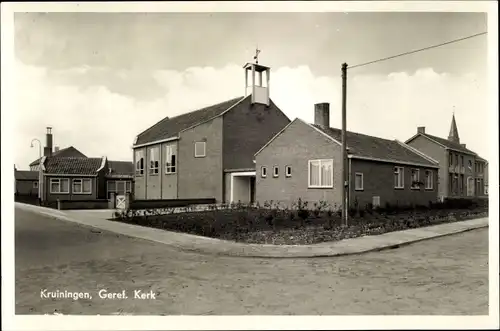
[
  {"x": 26, "y": 182},
  {"x": 47, "y": 151},
  {"x": 68, "y": 175},
  {"x": 73, "y": 178},
  {"x": 305, "y": 161},
  {"x": 208, "y": 153},
  {"x": 85, "y": 179},
  {"x": 119, "y": 178},
  {"x": 462, "y": 172}
]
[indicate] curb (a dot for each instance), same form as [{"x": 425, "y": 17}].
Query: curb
[{"x": 213, "y": 246}]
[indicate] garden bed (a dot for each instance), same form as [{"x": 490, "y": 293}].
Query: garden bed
[{"x": 271, "y": 225}]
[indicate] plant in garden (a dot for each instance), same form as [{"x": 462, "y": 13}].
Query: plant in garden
[
  {"x": 302, "y": 211},
  {"x": 319, "y": 207}
]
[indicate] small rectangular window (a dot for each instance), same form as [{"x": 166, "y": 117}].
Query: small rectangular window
[
  {"x": 154, "y": 160},
  {"x": 139, "y": 162},
  {"x": 415, "y": 178},
  {"x": 35, "y": 184},
  {"x": 263, "y": 172},
  {"x": 429, "y": 179},
  {"x": 276, "y": 171},
  {"x": 398, "y": 177},
  {"x": 199, "y": 149},
  {"x": 358, "y": 181},
  {"x": 288, "y": 171}
]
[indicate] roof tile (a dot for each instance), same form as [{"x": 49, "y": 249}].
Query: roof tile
[
  {"x": 120, "y": 168},
  {"x": 65, "y": 152},
  {"x": 72, "y": 165},
  {"x": 374, "y": 147},
  {"x": 26, "y": 175},
  {"x": 171, "y": 126},
  {"x": 449, "y": 144}
]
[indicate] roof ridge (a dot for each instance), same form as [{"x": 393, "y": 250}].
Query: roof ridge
[{"x": 361, "y": 134}]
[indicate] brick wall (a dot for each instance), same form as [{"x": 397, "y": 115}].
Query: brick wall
[
  {"x": 201, "y": 177},
  {"x": 246, "y": 129},
  {"x": 439, "y": 154},
  {"x": 378, "y": 180},
  {"x": 25, "y": 187},
  {"x": 70, "y": 195},
  {"x": 82, "y": 204},
  {"x": 295, "y": 146}
]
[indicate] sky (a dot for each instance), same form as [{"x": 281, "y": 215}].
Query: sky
[{"x": 99, "y": 79}]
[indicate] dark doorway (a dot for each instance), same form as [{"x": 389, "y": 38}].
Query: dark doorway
[{"x": 252, "y": 189}]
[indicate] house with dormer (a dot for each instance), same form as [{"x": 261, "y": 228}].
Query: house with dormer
[
  {"x": 208, "y": 153},
  {"x": 462, "y": 172}
]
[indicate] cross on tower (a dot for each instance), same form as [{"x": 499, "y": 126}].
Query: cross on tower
[{"x": 256, "y": 57}]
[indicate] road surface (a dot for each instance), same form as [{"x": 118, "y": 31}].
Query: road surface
[{"x": 442, "y": 276}]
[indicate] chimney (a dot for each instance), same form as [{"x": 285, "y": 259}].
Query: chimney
[
  {"x": 322, "y": 114},
  {"x": 47, "y": 150},
  {"x": 421, "y": 129},
  {"x": 463, "y": 145},
  {"x": 56, "y": 149}
]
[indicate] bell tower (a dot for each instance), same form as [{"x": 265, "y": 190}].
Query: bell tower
[{"x": 257, "y": 79}]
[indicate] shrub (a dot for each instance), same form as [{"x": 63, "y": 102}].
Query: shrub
[
  {"x": 302, "y": 211},
  {"x": 369, "y": 208}
]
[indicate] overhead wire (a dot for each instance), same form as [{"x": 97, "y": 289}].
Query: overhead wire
[{"x": 418, "y": 50}]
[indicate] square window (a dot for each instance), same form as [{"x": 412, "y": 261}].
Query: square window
[{"x": 321, "y": 173}]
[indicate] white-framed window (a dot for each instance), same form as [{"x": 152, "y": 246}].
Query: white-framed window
[
  {"x": 35, "y": 184},
  {"x": 170, "y": 153},
  {"x": 154, "y": 160},
  {"x": 263, "y": 172},
  {"x": 288, "y": 171},
  {"x": 429, "y": 179},
  {"x": 451, "y": 159},
  {"x": 320, "y": 173},
  {"x": 59, "y": 185},
  {"x": 470, "y": 164},
  {"x": 119, "y": 187},
  {"x": 415, "y": 178},
  {"x": 276, "y": 171},
  {"x": 399, "y": 177},
  {"x": 376, "y": 201},
  {"x": 82, "y": 186},
  {"x": 200, "y": 149},
  {"x": 139, "y": 162},
  {"x": 358, "y": 181}
]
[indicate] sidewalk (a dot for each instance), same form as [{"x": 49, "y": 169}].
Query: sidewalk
[{"x": 188, "y": 242}]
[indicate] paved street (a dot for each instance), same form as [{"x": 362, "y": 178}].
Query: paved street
[{"x": 441, "y": 276}]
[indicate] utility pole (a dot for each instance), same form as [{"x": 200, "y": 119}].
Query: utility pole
[{"x": 345, "y": 207}]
